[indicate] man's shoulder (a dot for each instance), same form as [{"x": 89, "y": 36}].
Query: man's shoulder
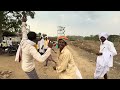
[
  {"x": 66, "y": 50},
  {"x": 30, "y": 47},
  {"x": 25, "y": 43},
  {"x": 109, "y": 42}
]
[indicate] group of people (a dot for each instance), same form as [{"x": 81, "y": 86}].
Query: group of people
[
  {"x": 65, "y": 65},
  {"x": 6, "y": 43},
  {"x": 42, "y": 46}
]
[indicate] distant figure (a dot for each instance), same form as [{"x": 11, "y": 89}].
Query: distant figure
[
  {"x": 4, "y": 45},
  {"x": 38, "y": 44},
  {"x": 105, "y": 57},
  {"x": 41, "y": 46},
  {"x": 46, "y": 41},
  {"x": 9, "y": 42},
  {"x": 66, "y": 66}
]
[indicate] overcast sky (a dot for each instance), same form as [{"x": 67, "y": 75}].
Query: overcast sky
[{"x": 81, "y": 23}]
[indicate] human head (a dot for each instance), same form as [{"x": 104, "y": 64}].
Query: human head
[
  {"x": 32, "y": 36},
  {"x": 103, "y": 36},
  {"x": 46, "y": 37},
  {"x": 62, "y": 42}
]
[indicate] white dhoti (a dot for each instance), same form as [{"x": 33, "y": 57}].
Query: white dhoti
[
  {"x": 79, "y": 76},
  {"x": 100, "y": 71},
  {"x": 102, "y": 65},
  {"x": 105, "y": 61}
]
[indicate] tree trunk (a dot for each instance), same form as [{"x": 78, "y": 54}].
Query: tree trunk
[
  {"x": 1, "y": 19},
  {"x": 0, "y": 31},
  {"x": 0, "y": 35}
]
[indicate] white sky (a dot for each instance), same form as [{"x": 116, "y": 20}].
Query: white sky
[{"x": 81, "y": 23}]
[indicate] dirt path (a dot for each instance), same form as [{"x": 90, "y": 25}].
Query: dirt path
[
  {"x": 85, "y": 66},
  {"x": 8, "y": 63}
]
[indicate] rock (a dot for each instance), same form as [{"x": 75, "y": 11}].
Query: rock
[
  {"x": 5, "y": 72},
  {"x": 9, "y": 71},
  {"x": 6, "y": 76},
  {"x": 90, "y": 60},
  {"x": 2, "y": 72}
]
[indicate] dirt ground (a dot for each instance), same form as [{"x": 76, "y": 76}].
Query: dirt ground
[{"x": 84, "y": 60}]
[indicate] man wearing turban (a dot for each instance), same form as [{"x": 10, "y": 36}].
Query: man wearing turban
[
  {"x": 105, "y": 56},
  {"x": 66, "y": 66}
]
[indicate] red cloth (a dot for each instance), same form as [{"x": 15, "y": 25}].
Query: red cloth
[{"x": 62, "y": 37}]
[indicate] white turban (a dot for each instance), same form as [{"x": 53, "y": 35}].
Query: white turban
[{"x": 104, "y": 34}]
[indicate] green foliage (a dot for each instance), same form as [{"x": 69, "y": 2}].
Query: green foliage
[
  {"x": 11, "y": 20},
  {"x": 74, "y": 38},
  {"x": 53, "y": 38},
  {"x": 114, "y": 38},
  {"x": 8, "y": 33},
  {"x": 92, "y": 37}
]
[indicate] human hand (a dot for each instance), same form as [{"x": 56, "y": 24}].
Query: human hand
[
  {"x": 24, "y": 19},
  {"x": 50, "y": 44},
  {"x": 99, "y": 54}
]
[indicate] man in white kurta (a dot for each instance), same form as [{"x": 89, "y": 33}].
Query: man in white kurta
[
  {"x": 29, "y": 53},
  {"x": 41, "y": 46},
  {"x": 105, "y": 57}
]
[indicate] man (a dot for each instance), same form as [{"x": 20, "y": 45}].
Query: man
[
  {"x": 105, "y": 57},
  {"x": 9, "y": 42},
  {"x": 41, "y": 46},
  {"x": 4, "y": 45},
  {"x": 29, "y": 52},
  {"x": 46, "y": 41},
  {"x": 66, "y": 66},
  {"x": 38, "y": 44}
]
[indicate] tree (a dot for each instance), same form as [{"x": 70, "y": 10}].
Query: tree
[
  {"x": 8, "y": 33},
  {"x": 11, "y": 20},
  {"x": 92, "y": 37},
  {"x": 114, "y": 38}
]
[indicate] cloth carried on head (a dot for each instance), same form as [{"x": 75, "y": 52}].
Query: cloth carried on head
[
  {"x": 104, "y": 34},
  {"x": 63, "y": 38}
]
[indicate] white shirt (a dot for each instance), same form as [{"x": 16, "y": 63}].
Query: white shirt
[
  {"x": 29, "y": 52},
  {"x": 9, "y": 42},
  {"x": 40, "y": 44}
]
